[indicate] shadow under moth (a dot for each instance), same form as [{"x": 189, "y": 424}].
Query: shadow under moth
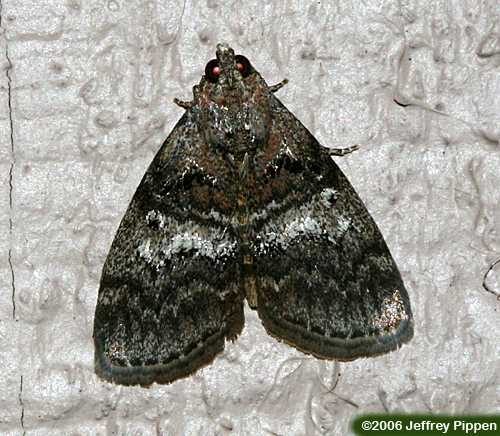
[{"x": 242, "y": 202}]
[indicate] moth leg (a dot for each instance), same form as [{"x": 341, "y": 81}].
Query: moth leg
[
  {"x": 343, "y": 151},
  {"x": 184, "y": 104},
  {"x": 278, "y": 86}
]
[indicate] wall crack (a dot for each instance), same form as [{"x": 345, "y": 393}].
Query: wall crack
[
  {"x": 11, "y": 194},
  {"x": 12, "y": 161},
  {"x": 21, "y": 403}
]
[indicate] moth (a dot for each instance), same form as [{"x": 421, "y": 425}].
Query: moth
[{"x": 242, "y": 202}]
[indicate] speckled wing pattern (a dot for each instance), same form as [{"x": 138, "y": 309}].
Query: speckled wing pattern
[
  {"x": 169, "y": 293},
  {"x": 325, "y": 279}
]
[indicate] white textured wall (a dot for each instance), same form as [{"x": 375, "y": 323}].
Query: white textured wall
[{"x": 86, "y": 91}]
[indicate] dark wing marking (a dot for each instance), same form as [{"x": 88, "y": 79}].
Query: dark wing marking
[
  {"x": 326, "y": 281},
  {"x": 169, "y": 293}
]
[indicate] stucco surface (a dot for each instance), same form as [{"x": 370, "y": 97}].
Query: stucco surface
[{"x": 86, "y": 91}]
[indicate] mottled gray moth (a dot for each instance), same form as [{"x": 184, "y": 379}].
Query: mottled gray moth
[{"x": 241, "y": 202}]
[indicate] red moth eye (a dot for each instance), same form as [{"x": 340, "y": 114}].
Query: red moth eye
[
  {"x": 243, "y": 65},
  {"x": 212, "y": 70}
]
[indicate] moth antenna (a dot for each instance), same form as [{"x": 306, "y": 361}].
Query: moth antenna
[
  {"x": 244, "y": 167},
  {"x": 278, "y": 86}
]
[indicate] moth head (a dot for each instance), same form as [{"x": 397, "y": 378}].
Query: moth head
[
  {"x": 227, "y": 69},
  {"x": 232, "y": 104}
]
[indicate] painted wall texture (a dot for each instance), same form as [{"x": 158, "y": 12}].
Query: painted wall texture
[{"x": 86, "y": 90}]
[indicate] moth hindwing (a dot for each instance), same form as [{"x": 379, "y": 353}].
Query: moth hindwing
[{"x": 242, "y": 202}]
